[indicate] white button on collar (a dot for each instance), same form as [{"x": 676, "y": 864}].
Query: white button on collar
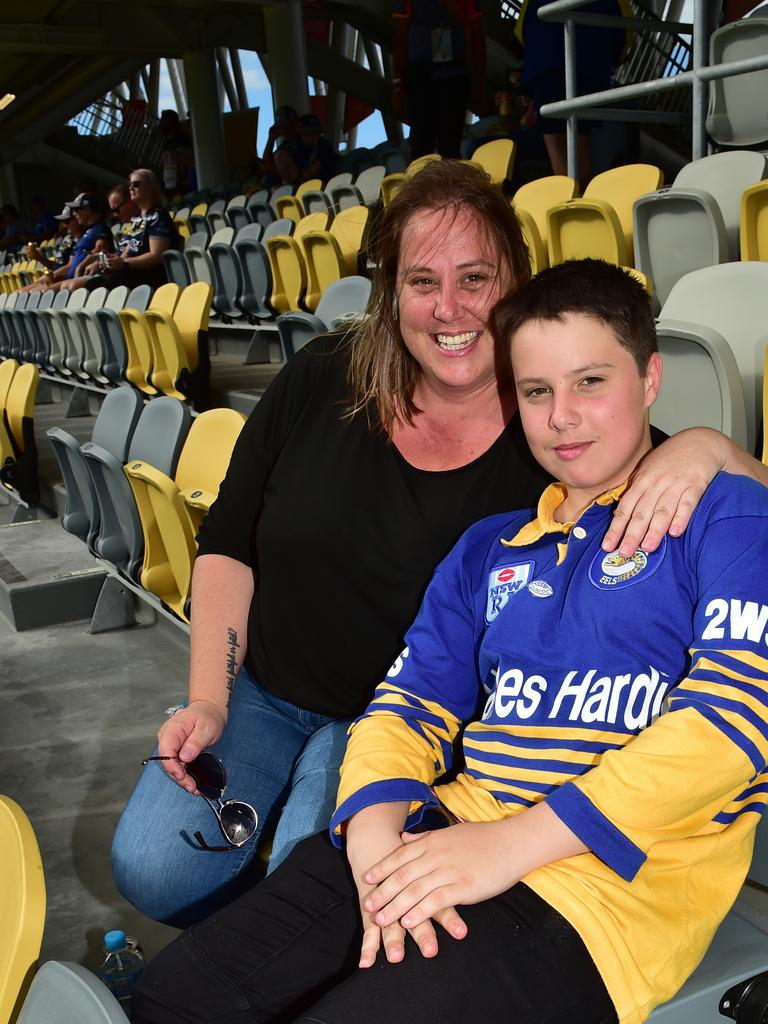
[{"x": 579, "y": 532}]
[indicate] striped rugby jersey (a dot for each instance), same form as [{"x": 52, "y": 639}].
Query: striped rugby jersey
[{"x": 630, "y": 694}]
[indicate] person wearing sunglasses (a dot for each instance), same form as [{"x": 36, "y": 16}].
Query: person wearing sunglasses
[{"x": 359, "y": 468}]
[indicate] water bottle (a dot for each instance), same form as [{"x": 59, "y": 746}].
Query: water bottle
[{"x": 121, "y": 967}]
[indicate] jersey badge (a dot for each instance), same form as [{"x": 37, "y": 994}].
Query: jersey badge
[
  {"x": 540, "y": 588},
  {"x": 613, "y": 571},
  {"x": 503, "y": 582}
]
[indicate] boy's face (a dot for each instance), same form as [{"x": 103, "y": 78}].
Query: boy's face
[{"x": 583, "y": 403}]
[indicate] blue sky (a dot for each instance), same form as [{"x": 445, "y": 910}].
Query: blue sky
[{"x": 369, "y": 131}]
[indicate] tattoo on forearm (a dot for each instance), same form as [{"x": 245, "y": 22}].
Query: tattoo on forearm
[{"x": 232, "y": 646}]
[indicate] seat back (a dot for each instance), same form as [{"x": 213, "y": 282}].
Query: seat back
[
  {"x": 537, "y": 250},
  {"x": 206, "y": 454},
  {"x": 350, "y": 229},
  {"x": 724, "y": 176},
  {"x": 753, "y": 220},
  {"x": 311, "y": 185},
  {"x": 224, "y": 236},
  {"x": 344, "y": 178},
  {"x": 7, "y": 369},
  {"x": 416, "y": 165},
  {"x": 237, "y": 216},
  {"x": 116, "y": 421},
  {"x": 261, "y": 211},
  {"x": 176, "y": 268},
  {"x": 227, "y": 280},
  {"x": 116, "y": 297},
  {"x": 731, "y": 299},
  {"x": 497, "y": 158},
  {"x": 160, "y": 434},
  {"x": 281, "y": 226},
  {"x": 20, "y": 403},
  {"x": 312, "y": 222},
  {"x": 620, "y": 187},
  {"x": 138, "y": 298},
  {"x": 736, "y": 115},
  {"x": 343, "y": 300},
  {"x": 191, "y": 317},
  {"x": 257, "y": 278},
  {"x": 253, "y": 231},
  {"x": 536, "y": 197},
  {"x": 68, "y": 993},
  {"x": 22, "y": 905},
  {"x": 368, "y": 182}
]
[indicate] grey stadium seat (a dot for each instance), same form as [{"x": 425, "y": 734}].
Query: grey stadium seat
[
  {"x": 341, "y": 301},
  {"x": 68, "y": 993}
]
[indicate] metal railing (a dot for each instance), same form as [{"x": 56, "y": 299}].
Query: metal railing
[
  {"x": 126, "y": 123},
  {"x": 593, "y": 105}
]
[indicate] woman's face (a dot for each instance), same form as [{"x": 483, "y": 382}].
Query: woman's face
[
  {"x": 141, "y": 192},
  {"x": 448, "y": 281}
]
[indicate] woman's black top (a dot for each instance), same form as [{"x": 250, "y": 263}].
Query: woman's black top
[{"x": 341, "y": 532}]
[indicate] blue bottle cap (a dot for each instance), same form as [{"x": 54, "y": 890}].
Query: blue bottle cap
[{"x": 114, "y": 940}]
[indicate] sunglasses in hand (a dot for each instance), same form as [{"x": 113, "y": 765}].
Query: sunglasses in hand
[{"x": 237, "y": 820}]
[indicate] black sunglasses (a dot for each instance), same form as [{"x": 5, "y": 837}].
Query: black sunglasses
[
  {"x": 237, "y": 820},
  {"x": 135, "y": 184}
]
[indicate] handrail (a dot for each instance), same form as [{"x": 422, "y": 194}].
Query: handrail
[{"x": 697, "y": 77}]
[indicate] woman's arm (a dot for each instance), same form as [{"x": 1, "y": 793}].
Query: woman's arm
[
  {"x": 669, "y": 484},
  {"x": 222, "y": 590}
]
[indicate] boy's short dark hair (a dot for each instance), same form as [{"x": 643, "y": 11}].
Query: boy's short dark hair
[{"x": 607, "y": 293}]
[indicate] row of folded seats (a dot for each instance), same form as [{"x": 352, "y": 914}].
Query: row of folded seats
[
  {"x": 157, "y": 343},
  {"x": 715, "y": 211},
  {"x": 136, "y": 492}
]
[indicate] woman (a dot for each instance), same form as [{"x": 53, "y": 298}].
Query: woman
[
  {"x": 356, "y": 473},
  {"x": 144, "y": 238}
]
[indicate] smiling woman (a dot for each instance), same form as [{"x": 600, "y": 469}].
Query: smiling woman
[{"x": 357, "y": 471}]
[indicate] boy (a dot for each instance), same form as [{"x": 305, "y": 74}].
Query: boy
[{"x": 593, "y": 850}]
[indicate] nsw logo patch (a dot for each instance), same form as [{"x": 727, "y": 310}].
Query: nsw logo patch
[
  {"x": 613, "y": 571},
  {"x": 503, "y": 582}
]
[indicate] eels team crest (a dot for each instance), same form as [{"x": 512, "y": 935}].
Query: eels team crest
[
  {"x": 503, "y": 581},
  {"x": 612, "y": 571}
]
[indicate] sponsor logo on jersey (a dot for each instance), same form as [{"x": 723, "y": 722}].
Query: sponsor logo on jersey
[
  {"x": 540, "y": 588},
  {"x": 614, "y": 570},
  {"x": 399, "y": 661},
  {"x": 503, "y": 582},
  {"x": 581, "y": 697}
]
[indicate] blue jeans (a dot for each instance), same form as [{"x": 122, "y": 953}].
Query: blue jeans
[{"x": 279, "y": 758}]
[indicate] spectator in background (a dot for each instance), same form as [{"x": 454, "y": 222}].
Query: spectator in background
[
  {"x": 123, "y": 209},
  {"x": 68, "y": 232},
  {"x": 598, "y": 50},
  {"x": 321, "y": 157},
  {"x": 439, "y": 65},
  {"x": 15, "y": 230},
  {"x": 88, "y": 212},
  {"x": 44, "y": 224},
  {"x": 177, "y": 157},
  {"x": 285, "y": 154}
]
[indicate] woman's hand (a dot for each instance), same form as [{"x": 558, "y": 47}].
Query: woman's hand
[
  {"x": 184, "y": 735},
  {"x": 666, "y": 489}
]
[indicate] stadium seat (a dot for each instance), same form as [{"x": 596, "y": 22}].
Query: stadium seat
[
  {"x": 171, "y": 510},
  {"x": 390, "y": 186},
  {"x": 600, "y": 223},
  {"x": 753, "y": 222},
  {"x": 365, "y": 191},
  {"x": 536, "y": 197},
  {"x": 416, "y": 165},
  {"x": 342, "y": 302},
  {"x": 11, "y": 329},
  {"x": 181, "y": 364},
  {"x": 40, "y": 331},
  {"x": 7, "y": 369},
  {"x": 77, "y": 348},
  {"x": 18, "y": 450},
  {"x": 256, "y": 275},
  {"x": 318, "y": 201},
  {"x": 695, "y": 222},
  {"x": 288, "y": 262},
  {"x": 497, "y": 158},
  {"x": 176, "y": 268},
  {"x": 25, "y": 320},
  {"x": 112, "y": 431},
  {"x": 22, "y": 906},
  {"x": 197, "y": 219},
  {"x": 281, "y": 226},
  {"x": 158, "y": 439},
  {"x": 114, "y": 351},
  {"x": 50, "y": 324},
  {"x": 335, "y": 253},
  {"x": 260, "y": 210},
  {"x": 736, "y": 115},
  {"x": 61, "y": 324},
  {"x": 215, "y": 216},
  {"x": 227, "y": 280},
  {"x": 67, "y": 993},
  {"x": 138, "y": 340},
  {"x": 731, "y": 301}
]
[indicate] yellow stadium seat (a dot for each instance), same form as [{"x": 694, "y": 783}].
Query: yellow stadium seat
[
  {"x": 176, "y": 339},
  {"x": 138, "y": 338},
  {"x": 497, "y": 158},
  {"x": 7, "y": 370},
  {"x": 753, "y": 222},
  {"x": 18, "y": 450},
  {"x": 391, "y": 185},
  {"x": 536, "y": 248},
  {"x": 22, "y": 907},
  {"x": 171, "y": 510},
  {"x": 536, "y": 197},
  {"x": 313, "y": 185},
  {"x": 600, "y": 224},
  {"x": 416, "y": 165},
  {"x": 287, "y": 261},
  {"x": 290, "y": 207},
  {"x": 333, "y": 254}
]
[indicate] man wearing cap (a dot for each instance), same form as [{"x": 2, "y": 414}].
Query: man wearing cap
[
  {"x": 286, "y": 163},
  {"x": 69, "y": 233},
  {"x": 87, "y": 211}
]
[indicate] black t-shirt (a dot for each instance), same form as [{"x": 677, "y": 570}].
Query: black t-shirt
[{"x": 342, "y": 533}]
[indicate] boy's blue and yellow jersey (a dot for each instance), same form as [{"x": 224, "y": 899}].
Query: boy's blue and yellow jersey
[{"x": 630, "y": 694}]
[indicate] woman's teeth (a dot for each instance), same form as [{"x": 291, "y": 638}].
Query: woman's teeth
[{"x": 453, "y": 342}]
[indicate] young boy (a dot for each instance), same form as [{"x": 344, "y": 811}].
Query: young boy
[{"x": 612, "y": 715}]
